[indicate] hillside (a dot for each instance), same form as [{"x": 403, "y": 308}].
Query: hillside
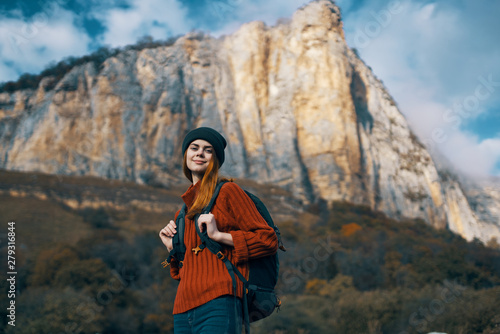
[{"x": 348, "y": 269}]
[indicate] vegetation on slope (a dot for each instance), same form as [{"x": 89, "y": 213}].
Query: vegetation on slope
[{"x": 347, "y": 270}]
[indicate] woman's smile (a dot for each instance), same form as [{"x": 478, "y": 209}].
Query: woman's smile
[{"x": 198, "y": 156}]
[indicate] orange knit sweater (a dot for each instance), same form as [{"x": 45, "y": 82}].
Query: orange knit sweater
[{"x": 204, "y": 277}]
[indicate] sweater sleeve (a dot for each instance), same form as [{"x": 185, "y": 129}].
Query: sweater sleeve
[
  {"x": 254, "y": 238},
  {"x": 174, "y": 270}
]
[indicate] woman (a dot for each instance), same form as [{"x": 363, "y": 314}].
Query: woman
[{"x": 205, "y": 300}]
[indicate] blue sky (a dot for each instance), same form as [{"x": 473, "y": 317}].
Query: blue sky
[{"x": 439, "y": 59}]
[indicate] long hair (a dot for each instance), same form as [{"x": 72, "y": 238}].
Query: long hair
[{"x": 207, "y": 185}]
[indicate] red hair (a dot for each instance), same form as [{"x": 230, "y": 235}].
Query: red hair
[{"x": 207, "y": 185}]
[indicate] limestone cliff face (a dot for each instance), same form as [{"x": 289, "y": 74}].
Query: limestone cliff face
[
  {"x": 298, "y": 107},
  {"x": 484, "y": 198}
]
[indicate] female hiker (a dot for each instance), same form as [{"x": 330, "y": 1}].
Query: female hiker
[{"x": 205, "y": 301}]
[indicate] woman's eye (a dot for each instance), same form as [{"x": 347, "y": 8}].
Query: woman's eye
[{"x": 208, "y": 151}]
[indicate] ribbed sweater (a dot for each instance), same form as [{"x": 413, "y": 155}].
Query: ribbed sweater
[{"x": 204, "y": 277}]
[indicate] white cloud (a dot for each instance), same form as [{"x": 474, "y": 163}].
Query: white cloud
[
  {"x": 237, "y": 12},
  {"x": 157, "y": 18},
  {"x": 29, "y": 45},
  {"x": 435, "y": 59},
  {"x": 7, "y": 72},
  {"x": 477, "y": 158}
]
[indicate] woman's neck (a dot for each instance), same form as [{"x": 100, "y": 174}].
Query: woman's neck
[{"x": 196, "y": 177}]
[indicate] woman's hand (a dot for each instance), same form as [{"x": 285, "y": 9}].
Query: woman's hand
[
  {"x": 210, "y": 224},
  {"x": 167, "y": 233},
  {"x": 212, "y": 230}
]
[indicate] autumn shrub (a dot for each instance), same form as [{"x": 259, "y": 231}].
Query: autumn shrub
[
  {"x": 49, "y": 262},
  {"x": 89, "y": 274},
  {"x": 51, "y": 310},
  {"x": 98, "y": 218}
]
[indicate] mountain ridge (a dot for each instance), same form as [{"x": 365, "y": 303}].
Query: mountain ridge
[{"x": 297, "y": 105}]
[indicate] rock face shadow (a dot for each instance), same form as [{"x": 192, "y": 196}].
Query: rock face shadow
[{"x": 358, "y": 93}]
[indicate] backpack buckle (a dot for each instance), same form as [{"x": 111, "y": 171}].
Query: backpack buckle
[
  {"x": 220, "y": 255},
  {"x": 166, "y": 263},
  {"x": 197, "y": 250}
]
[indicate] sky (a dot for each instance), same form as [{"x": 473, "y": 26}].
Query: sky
[{"x": 440, "y": 60}]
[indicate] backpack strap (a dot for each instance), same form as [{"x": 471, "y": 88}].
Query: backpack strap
[
  {"x": 179, "y": 248},
  {"x": 210, "y": 205},
  {"x": 217, "y": 249}
]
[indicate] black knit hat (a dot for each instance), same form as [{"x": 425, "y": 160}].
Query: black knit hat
[{"x": 213, "y": 137}]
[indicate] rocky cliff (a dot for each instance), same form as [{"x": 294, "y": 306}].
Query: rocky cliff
[{"x": 298, "y": 107}]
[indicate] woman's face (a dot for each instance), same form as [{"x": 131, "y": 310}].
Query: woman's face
[{"x": 198, "y": 156}]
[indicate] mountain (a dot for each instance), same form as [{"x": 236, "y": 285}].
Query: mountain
[{"x": 299, "y": 109}]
